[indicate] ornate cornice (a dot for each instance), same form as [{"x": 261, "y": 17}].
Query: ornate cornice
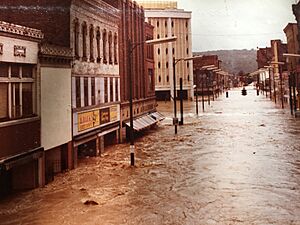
[
  {"x": 52, "y": 54},
  {"x": 20, "y": 30}
]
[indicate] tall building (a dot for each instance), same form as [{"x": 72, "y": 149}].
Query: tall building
[{"x": 170, "y": 21}]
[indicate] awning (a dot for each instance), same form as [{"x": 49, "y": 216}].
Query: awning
[
  {"x": 142, "y": 122},
  {"x": 21, "y": 159},
  {"x": 157, "y": 116},
  {"x": 146, "y": 121}
]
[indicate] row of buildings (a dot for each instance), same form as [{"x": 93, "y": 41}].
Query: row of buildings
[
  {"x": 65, "y": 71},
  {"x": 64, "y": 84},
  {"x": 279, "y": 66}
]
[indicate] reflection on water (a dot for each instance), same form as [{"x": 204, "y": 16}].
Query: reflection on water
[{"x": 236, "y": 163}]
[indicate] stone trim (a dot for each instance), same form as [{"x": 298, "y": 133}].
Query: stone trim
[{"x": 20, "y": 30}]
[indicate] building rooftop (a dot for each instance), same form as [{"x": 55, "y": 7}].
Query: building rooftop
[
  {"x": 20, "y": 30},
  {"x": 155, "y": 4}
]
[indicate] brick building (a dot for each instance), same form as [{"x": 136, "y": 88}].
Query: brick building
[
  {"x": 21, "y": 152},
  {"x": 89, "y": 103},
  {"x": 211, "y": 82},
  {"x": 134, "y": 28}
]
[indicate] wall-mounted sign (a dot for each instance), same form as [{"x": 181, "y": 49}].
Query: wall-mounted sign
[
  {"x": 88, "y": 120},
  {"x": 1, "y": 49},
  {"x": 113, "y": 113},
  {"x": 19, "y": 51}
]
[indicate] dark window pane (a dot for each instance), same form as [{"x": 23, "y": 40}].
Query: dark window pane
[
  {"x": 27, "y": 99},
  {"x": 105, "y": 90},
  {"x": 15, "y": 70},
  {"x": 93, "y": 91},
  {"x": 111, "y": 90},
  {"x": 3, "y": 101},
  {"x": 27, "y": 71},
  {"x": 78, "y": 92},
  {"x": 86, "y": 92},
  {"x": 3, "y": 70}
]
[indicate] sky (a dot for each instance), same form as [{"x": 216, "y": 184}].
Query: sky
[{"x": 237, "y": 24}]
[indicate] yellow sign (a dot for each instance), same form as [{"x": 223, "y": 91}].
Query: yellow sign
[
  {"x": 88, "y": 120},
  {"x": 113, "y": 113}
]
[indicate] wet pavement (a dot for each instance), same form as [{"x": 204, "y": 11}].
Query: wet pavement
[{"x": 236, "y": 163}]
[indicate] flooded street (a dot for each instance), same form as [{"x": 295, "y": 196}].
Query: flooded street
[{"x": 236, "y": 163}]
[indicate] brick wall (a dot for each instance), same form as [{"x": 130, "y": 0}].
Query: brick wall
[{"x": 50, "y": 16}]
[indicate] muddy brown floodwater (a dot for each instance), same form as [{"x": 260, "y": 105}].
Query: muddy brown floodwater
[{"x": 236, "y": 163}]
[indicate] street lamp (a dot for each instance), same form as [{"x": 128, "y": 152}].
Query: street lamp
[
  {"x": 131, "y": 48},
  {"x": 175, "y": 61}
]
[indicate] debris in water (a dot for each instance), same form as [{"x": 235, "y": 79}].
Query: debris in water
[{"x": 90, "y": 202}]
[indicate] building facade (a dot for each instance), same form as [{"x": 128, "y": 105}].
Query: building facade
[
  {"x": 21, "y": 152},
  {"x": 170, "y": 21},
  {"x": 86, "y": 116},
  {"x": 136, "y": 58}
]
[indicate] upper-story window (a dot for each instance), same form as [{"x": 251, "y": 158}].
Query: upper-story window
[
  {"x": 92, "y": 43},
  {"x": 76, "y": 38},
  {"x": 116, "y": 49},
  {"x": 110, "y": 59},
  {"x": 98, "y": 36},
  {"x": 84, "y": 34},
  {"x": 16, "y": 96},
  {"x": 104, "y": 37},
  {"x": 157, "y": 23}
]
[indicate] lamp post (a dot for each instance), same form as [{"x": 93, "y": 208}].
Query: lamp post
[
  {"x": 131, "y": 48},
  {"x": 175, "y": 61}
]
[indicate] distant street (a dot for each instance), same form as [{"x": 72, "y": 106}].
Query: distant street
[{"x": 236, "y": 163}]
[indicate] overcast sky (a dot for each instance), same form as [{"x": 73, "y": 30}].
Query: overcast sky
[{"x": 237, "y": 24}]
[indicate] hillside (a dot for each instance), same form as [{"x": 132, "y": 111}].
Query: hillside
[{"x": 235, "y": 61}]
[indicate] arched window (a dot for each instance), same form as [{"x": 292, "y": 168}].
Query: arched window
[
  {"x": 98, "y": 36},
  {"x": 158, "y": 51},
  {"x": 110, "y": 59},
  {"x": 76, "y": 38},
  {"x": 92, "y": 59},
  {"x": 167, "y": 78},
  {"x": 116, "y": 48},
  {"x": 167, "y": 64},
  {"x": 158, "y": 64},
  {"x": 84, "y": 33},
  {"x": 104, "y": 37},
  {"x": 159, "y": 78},
  {"x": 167, "y": 51}
]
